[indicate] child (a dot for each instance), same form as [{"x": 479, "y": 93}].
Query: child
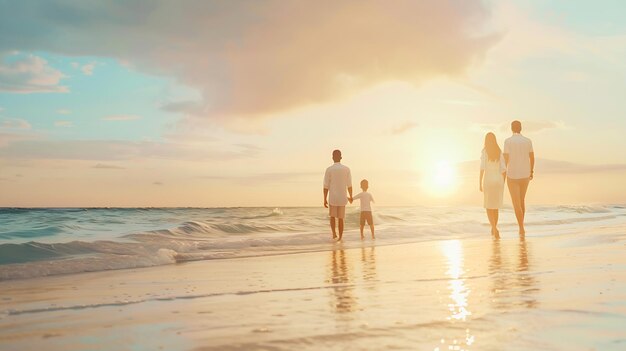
[{"x": 366, "y": 208}]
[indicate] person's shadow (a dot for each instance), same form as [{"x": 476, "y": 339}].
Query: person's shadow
[{"x": 515, "y": 285}]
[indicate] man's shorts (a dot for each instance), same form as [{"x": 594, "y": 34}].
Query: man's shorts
[
  {"x": 337, "y": 211},
  {"x": 517, "y": 184}
]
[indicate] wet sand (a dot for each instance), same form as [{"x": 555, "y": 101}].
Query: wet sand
[{"x": 541, "y": 293}]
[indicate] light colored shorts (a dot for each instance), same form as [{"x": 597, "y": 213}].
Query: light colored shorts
[
  {"x": 518, "y": 186},
  {"x": 337, "y": 211},
  {"x": 366, "y": 216}
]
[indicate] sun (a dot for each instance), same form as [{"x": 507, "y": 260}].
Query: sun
[{"x": 441, "y": 179}]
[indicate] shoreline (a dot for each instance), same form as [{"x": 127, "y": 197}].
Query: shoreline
[
  {"x": 70, "y": 242},
  {"x": 466, "y": 292}
]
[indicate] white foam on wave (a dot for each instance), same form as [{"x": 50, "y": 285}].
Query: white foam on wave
[{"x": 243, "y": 233}]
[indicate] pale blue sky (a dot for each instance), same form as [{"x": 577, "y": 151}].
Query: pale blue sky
[{"x": 110, "y": 90}]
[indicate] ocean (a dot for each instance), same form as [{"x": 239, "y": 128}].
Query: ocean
[{"x": 50, "y": 241}]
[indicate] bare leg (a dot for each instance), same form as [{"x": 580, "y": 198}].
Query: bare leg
[
  {"x": 523, "y": 190},
  {"x": 372, "y": 229},
  {"x": 340, "y": 228},
  {"x": 491, "y": 221},
  {"x": 496, "y": 214},
  {"x": 332, "y": 227},
  {"x": 514, "y": 189},
  {"x": 361, "y": 226}
]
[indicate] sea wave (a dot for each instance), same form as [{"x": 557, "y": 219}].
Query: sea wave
[
  {"x": 160, "y": 247},
  {"x": 104, "y": 239}
]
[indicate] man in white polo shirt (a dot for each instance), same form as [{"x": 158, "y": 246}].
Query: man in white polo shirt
[
  {"x": 520, "y": 165},
  {"x": 337, "y": 180}
]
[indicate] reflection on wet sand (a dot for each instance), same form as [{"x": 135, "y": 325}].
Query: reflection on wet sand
[
  {"x": 458, "y": 291},
  {"x": 368, "y": 259},
  {"x": 526, "y": 282},
  {"x": 459, "y": 294},
  {"x": 342, "y": 280},
  {"x": 512, "y": 286},
  {"x": 498, "y": 276},
  {"x": 342, "y": 290}
]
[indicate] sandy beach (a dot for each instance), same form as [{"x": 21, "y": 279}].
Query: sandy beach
[{"x": 547, "y": 293}]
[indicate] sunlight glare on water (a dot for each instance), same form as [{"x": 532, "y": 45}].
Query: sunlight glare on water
[{"x": 459, "y": 293}]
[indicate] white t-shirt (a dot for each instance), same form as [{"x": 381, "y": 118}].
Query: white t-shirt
[
  {"x": 518, "y": 147},
  {"x": 366, "y": 200},
  {"x": 337, "y": 180}
]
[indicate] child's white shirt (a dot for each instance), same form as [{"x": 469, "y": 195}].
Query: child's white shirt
[{"x": 366, "y": 200}]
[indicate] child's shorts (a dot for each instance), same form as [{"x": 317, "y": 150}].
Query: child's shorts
[{"x": 366, "y": 216}]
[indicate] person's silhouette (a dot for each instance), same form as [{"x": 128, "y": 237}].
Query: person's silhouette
[
  {"x": 337, "y": 180},
  {"x": 520, "y": 161},
  {"x": 492, "y": 173}
]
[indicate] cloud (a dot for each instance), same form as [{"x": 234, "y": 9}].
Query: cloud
[
  {"x": 576, "y": 76},
  {"x": 248, "y": 149},
  {"x": 116, "y": 150},
  {"x": 14, "y": 123},
  {"x": 107, "y": 166},
  {"x": 8, "y": 138},
  {"x": 186, "y": 107},
  {"x": 88, "y": 68},
  {"x": 403, "y": 128},
  {"x": 563, "y": 167},
  {"x": 268, "y": 178},
  {"x": 546, "y": 166},
  {"x": 527, "y": 126},
  {"x": 464, "y": 102},
  {"x": 63, "y": 124},
  {"x": 536, "y": 126},
  {"x": 28, "y": 74},
  {"x": 253, "y": 59},
  {"x": 121, "y": 118},
  {"x": 64, "y": 111}
]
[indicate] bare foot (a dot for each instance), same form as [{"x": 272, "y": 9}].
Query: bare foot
[
  {"x": 522, "y": 231},
  {"x": 362, "y": 237},
  {"x": 373, "y": 237}
]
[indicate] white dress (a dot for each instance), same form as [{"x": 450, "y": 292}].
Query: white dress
[{"x": 493, "y": 182}]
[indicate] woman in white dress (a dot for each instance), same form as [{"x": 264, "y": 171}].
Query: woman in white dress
[{"x": 492, "y": 176}]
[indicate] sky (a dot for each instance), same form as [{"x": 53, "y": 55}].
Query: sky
[{"x": 240, "y": 103}]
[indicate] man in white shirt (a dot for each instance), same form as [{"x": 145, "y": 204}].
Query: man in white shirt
[
  {"x": 337, "y": 180},
  {"x": 520, "y": 161}
]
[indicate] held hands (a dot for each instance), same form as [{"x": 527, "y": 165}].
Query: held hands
[{"x": 326, "y": 202}]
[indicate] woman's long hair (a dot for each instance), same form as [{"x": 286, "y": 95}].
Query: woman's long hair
[{"x": 492, "y": 148}]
